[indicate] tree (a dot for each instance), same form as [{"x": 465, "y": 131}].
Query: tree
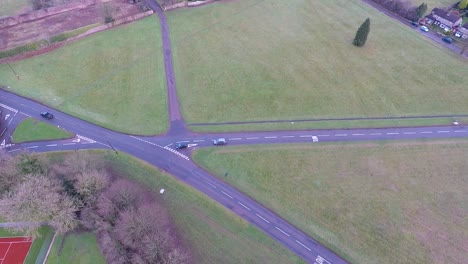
[
  {"x": 89, "y": 184},
  {"x": 463, "y": 4},
  {"x": 362, "y": 33},
  {"x": 39, "y": 199},
  {"x": 421, "y": 9},
  {"x": 30, "y": 164},
  {"x": 9, "y": 175}
]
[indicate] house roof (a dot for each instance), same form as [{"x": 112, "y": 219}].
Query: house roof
[
  {"x": 430, "y": 16},
  {"x": 446, "y": 15},
  {"x": 465, "y": 25}
]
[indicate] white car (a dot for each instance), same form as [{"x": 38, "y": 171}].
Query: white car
[
  {"x": 424, "y": 28},
  {"x": 314, "y": 139}
]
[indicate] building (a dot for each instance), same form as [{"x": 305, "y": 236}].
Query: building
[{"x": 446, "y": 18}]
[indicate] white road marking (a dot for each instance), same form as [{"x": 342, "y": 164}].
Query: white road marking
[
  {"x": 392, "y": 133},
  {"x": 212, "y": 185},
  {"x": 227, "y": 194},
  {"x": 252, "y": 138},
  {"x": 426, "y": 132},
  {"x": 323, "y": 135},
  {"x": 281, "y": 230},
  {"x": 66, "y": 144},
  {"x": 287, "y": 136},
  {"x": 303, "y": 245},
  {"x": 7, "y": 116},
  {"x": 305, "y": 136},
  {"x": 92, "y": 143},
  {"x": 51, "y": 145},
  {"x": 177, "y": 153},
  {"x": 167, "y": 145},
  {"x": 443, "y": 131},
  {"x": 460, "y": 131},
  {"x": 183, "y": 141},
  {"x": 199, "y": 140},
  {"x": 409, "y": 133},
  {"x": 151, "y": 143},
  {"x": 25, "y": 114},
  {"x": 32, "y": 147},
  {"x": 235, "y": 138},
  {"x": 262, "y": 218},
  {"x": 270, "y": 137},
  {"x": 76, "y": 140},
  {"x": 243, "y": 205},
  {"x": 321, "y": 260},
  {"x": 375, "y": 134},
  {"x": 9, "y": 108},
  {"x": 357, "y": 134},
  {"x": 191, "y": 145},
  {"x": 341, "y": 135},
  {"x": 85, "y": 138}
]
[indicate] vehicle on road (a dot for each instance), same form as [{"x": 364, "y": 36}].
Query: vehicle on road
[
  {"x": 314, "y": 139},
  {"x": 424, "y": 28},
  {"x": 219, "y": 141},
  {"x": 47, "y": 115},
  {"x": 414, "y": 24},
  {"x": 447, "y": 40},
  {"x": 181, "y": 145}
]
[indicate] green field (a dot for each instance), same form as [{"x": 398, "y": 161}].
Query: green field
[
  {"x": 79, "y": 248},
  {"x": 12, "y": 7},
  {"x": 114, "y": 78},
  {"x": 34, "y": 130},
  {"x": 266, "y": 60},
  {"x": 399, "y": 202},
  {"x": 215, "y": 234}
]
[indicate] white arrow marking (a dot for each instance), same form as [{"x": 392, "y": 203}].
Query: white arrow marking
[
  {"x": 76, "y": 140},
  {"x": 3, "y": 143},
  {"x": 7, "y": 116},
  {"x": 191, "y": 145}
]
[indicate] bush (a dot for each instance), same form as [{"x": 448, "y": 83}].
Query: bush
[{"x": 22, "y": 49}]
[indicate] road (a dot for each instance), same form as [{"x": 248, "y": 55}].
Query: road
[{"x": 160, "y": 152}]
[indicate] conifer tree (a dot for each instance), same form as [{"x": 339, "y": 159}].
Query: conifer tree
[{"x": 362, "y": 33}]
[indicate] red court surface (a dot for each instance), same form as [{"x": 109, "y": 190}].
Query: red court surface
[{"x": 13, "y": 250}]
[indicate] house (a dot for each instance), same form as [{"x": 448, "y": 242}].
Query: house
[
  {"x": 448, "y": 19},
  {"x": 464, "y": 30},
  {"x": 429, "y": 19}
]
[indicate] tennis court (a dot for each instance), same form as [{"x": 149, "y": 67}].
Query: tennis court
[{"x": 13, "y": 250}]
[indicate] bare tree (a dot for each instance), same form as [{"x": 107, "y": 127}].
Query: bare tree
[
  {"x": 9, "y": 175},
  {"x": 90, "y": 183}
]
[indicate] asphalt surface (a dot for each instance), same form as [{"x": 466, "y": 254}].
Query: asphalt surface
[{"x": 160, "y": 152}]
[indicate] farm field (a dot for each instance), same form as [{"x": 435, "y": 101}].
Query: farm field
[
  {"x": 13, "y": 7},
  {"x": 33, "y": 130},
  {"x": 388, "y": 202},
  {"x": 265, "y": 60},
  {"x": 80, "y": 248},
  {"x": 114, "y": 78}
]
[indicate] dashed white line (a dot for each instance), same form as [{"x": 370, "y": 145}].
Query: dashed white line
[
  {"x": 252, "y": 138},
  {"x": 270, "y": 137},
  {"x": 287, "y": 136},
  {"x": 51, "y": 145},
  {"x": 303, "y": 245},
  {"x": 357, "y": 134},
  {"x": 323, "y": 135},
  {"x": 426, "y": 132},
  {"x": 392, "y": 133},
  {"x": 235, "y": 138},
  {"x": 199, "y": 140},
  {"x": 227, "y": 194},
  {"x": 409, "y": 133},
  {"x": 341, "y": 135},
  {"x": 243, "y": 205},
  {"x": 443, "y": 131},
  {"x": 183, "y": 141},
  {"x": 32, "y": 147},
  {"x": 375, "y": 134},
  {"x": 89, "y": 143},
  {"x": 262, "y": 218},
  {"x": 460, "y": 131},
  {"x": 306, "y": 136},
  {"x": 212, "y": 185},
  {"x": 66, "y": 144},
  {"x": 281, "y": 230}
]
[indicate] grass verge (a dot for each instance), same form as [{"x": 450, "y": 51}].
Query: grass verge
[
  {"x": 33, "y": 130},
  {"x": 113, "y": 78},
  {"x": 390, "y": 202},
  {"x": 78, "y": 248},
  {"x": 13, "y": 7}
]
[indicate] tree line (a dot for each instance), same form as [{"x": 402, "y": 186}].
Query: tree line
[{"x": 131, "y": 223}]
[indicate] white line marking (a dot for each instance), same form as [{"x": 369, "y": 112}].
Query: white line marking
[
  {"x": 357, "y": 134},
  {"x": 409, "y": 133},
  {"x": 66, "y": 144},
  {"x": 303, "y": 245},
  {"x": 227, "y": 194},
  {"x": 253, "y": 138},
  {"x": 151, "y": 143},
  {"x": 212, "y": 185},
  {"x": 51, "y": 145},
  {"x": 6, "y": 253},
  {"x": 443, "y": 131},
  {"x": 426, "y": 132},
  {"x": 270, "y": 137},
  {"x": 25, "y": 114},
  {"x": 9, "y": 108},
  {"x": 263, "y": 218},
  {"x": 243, "y": 205},
  {"x": 167, "y": 145},
  {"x": 323, "y": 135},
  {"x": 375, "y": 134},
  {"x": 235, "y": 138},
  {"x": 341, "y": 135},
  {"x": 306, "y": 136},
  {"x": 85, "y": 138},
  {"x": 279, "y": 229},
  {"x": 459, "y": 131},
  {"x": 199, "y": 140},
  {"x": 287, "y": 136},
  {"x": 183, "y": 141},
  {"x": 392, "y": 133},
  {"x": 31, "y": 147}
]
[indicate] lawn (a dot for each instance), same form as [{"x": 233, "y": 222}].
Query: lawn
[
  {"x": 388, "y": 202},
  {"x": 33, "y": 130},
  {"x": 114, "y": 78},
  {"x": 215, "y": 234},
  {"x": 266, "y": 60},
  {"x": 79, "y": 248},
  {"x": 13, "y": 7}
]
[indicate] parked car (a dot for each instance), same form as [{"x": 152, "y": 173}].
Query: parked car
[
  {"x": 447, "y": 40},
  {"x": 314, "y": 139},
  {"x": 181, "y": 145},
  {"x": 424, "y": 28},
  {"x": 458, "y": 34},
  {"x": 219, "y": 141},
  {"x": 47, "y": 115},
  {"x": 414, "y": 24}
]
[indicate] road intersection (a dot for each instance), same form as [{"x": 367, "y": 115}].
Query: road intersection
[{"x": 160, "y": 151}]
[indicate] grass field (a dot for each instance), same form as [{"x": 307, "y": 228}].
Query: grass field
[
  {"x": 266, "y": 60},
  {"x": 79, "y": 248},
  {"x": 400, "y": 202},
  {"x": 215, "y": 234},
  {"x": 33, "y": 130},
  {"x": 114, "y": 78},
  {"x": 12, "y": 7}
]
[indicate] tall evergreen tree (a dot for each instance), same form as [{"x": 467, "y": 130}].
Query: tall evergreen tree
[
  {"x": 362, "y": 33},
  {"x": 421, "y": 9}
]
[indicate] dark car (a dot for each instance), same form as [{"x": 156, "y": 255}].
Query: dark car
[
  {"x": 47, "y": 115},
  {"x": 447, "y": 40},
  {"x": 181, "y": 145},
  {"x": 415, "y": 24}
]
